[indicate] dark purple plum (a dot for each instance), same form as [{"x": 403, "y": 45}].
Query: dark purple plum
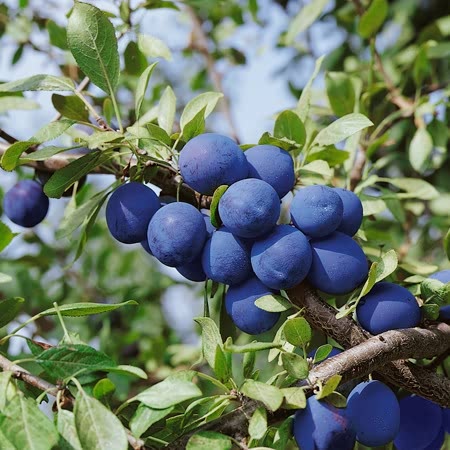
[
  {"x": 388, "y": 306},
  {"x": 443, "y": 276},
  {"x": 317, "y": 210},
  {"x": 193, "y": 270},
  {"x": 250, "y": 208},
  {"x": 176, "y": 234},
  {"x": 272, "y": 165},
  {"x": 353, "y": 212},
  {"x": 240, "y": 306},
  {"x": 339, "y": 264},
  {"x": 25, "y": 203},
  {"x": 210, "y": 160},
  {"x": 226, "y": 258},
  {"x": 129, "y": 210},
  {"x": 282, "y": 259}
]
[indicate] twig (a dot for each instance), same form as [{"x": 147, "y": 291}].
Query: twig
[
  {"x": 7, "y": 137},
  {"x": 200, "y": 44}
]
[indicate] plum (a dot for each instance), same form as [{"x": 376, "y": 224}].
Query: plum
[
  {"x": 353, "y": 212},
  {"x": 374, "y": 412},
  {"x": 193, "y": 270},
  {"x": 240, "y": 305},
  {"x": 25, "y": 203},
  {"x": 226, "y": 258},
  {"x": 387, "y": 306},
  {"x": 176, "y": 234},
  {"x": 272, "y": 165},
  {"x": 210, "y": 160},
  {"x": 250, "y": 208},
  {"x": 321, "y": 426},
  {"x": 338, "y": 265},
  {"x": 282, "y": 259},
  {"x": 129, "y": 210},
  {"x": 443, "y": 276},
  {"x": 317, "y": 210}
]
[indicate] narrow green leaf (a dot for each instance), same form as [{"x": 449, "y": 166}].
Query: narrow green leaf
[
  {"x": 7, "y": 389},
  {"x": 209, "y": 440},
  {"x": 6, "y": 236},
  {"x": 194, "y": 127},
  {"x": 153, "y": 47},
  {"x": 294, "y": 398},
  {"x": 145, "y": 417},
  {"x": 297, "y": 331},
  {"x": 270, "y": 396},
  {"x": 216, "y": 221},
  {"x": 330, "y": 154},
  {"x": 295, "y": 365},
  {"x": 341, "y": 93},
  {"x": 251, "y": 347},
  {"x": 52, "y": 130},
  {"x": 135, "y": 60},
  {"x": 66, "y": 428},
  {"x": 414, "y": 187},
  {"x": 39, "y": 83},
  {"x": 207, "y": 100},
  {"x": 248, "y": 364},
  {"x": 373, "y": 18},
  {"x": 273, "y": 303},
  {"x": 97, "y": 427},
  {"x": 210, "y": 339},
  {"x": 9, "y": 309},
  {"x": 41, "y": 154},
  {"x": 124, "y": 369},
  {"x": 97, "y": 139},
  {"x": 342, "y": 129},
  {"x": 57, "y": 35},
  {"x": 168, "y": 393},
  {"x": 420, "y": 149},
  {"x": 447, "y": 244},
  {"x": 322, "y": 353},
  {"x": 71, "y": 106},
  {"x": 141, "y": 88},
  {"x": 257, "y": 426},
  {"x": 13, "y": 103},
  {"x": 167, "y": 109},
  {"x": 290, "y": 126},
  {"x": 92, "y": 40},
  {"x": 11, "y": 157},
  {"x": 336, "y": 399},
  {"x": 329, "y": 386},
  {"x": 222, "y": 366},
  {"x": 85, "y": 309},
  {"x": 386, "y": 265}
]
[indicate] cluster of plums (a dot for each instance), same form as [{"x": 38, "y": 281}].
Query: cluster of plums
[{"x": 374, "y": 417}]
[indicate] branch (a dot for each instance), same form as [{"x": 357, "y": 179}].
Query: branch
[
  {"x": 7, "y": 137},
  {"x": 200, "y": 44}
]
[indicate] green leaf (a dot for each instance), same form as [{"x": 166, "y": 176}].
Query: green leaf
[
  {"x": 330, "y": 154},
  {"x": 4, "y": 278},
  {"x": 222, "y": 365},
  {"x": 84, "y": 309},
  {"x": 194, "y": 127},
  {"x": 8, "y": 389},
  {"x": 248, "y": 364},
  {"x": 124, "y": 369},
  {"x": 41, "y": 155},
  {"x": 97, "y": 427},
  {"x": 431, "y": 311},
  {"x": 141, "y": 88},
  {"x": 103, "y": 388},
  {"x": 209, "y": 440},
  {"x": 207, "y": 100},
  {"x": 373, "y": 18},
  {"x": 422, "y": 67},
  {"x": 97, "y": 139},
  {"x": 251, "y": 347},
  {"x": 273, "y": 303},
  {"x": 304, "y": 19},
  {"x": 9, "y": 309},
  {"x": 329, "y": 387},
  {"x": 153, "y": 47},
  {"x": 210, "y": 339},
  {"x": 92, "y": 40},
  {"x": 135, "y": 60},
  {"x": 168, "y": 393},
  {"x": 216, "y": 221},
  {"x": 145, "y": 417},
  {"x": 322, "y": 353},
  {"x": 39, "y": 83},
  {"x": 341, "y": 93},
  {"x": 65, "y": 361},
  {"x": 289, "y": 125},
  {"x": 26, "y": 426},
  {"x": 167, "y": 109},
  {"x": 295, "y": 365},
  {"x": 12, "y": 103},
  {"x": 420, "y": 149},
  {"x": 414, "y": 187},
  {"x": 336, "y": 399},
  {"x": 386, "y": 265},
  {"x": 71, "y": 107},
  {"x": 447, "y": 244},
  {"x": 342, "y": 129},
  {"x": 63, "y": 178},
  {"x": 269, "y": 395},
  {"x": 304, "y": 102},
  {"x": 52, "y": 130},
  {"x": 66, "y": 428},
  {"x": 297, "y": 331},
  {"x": 6, "y": 236},
  {"x": 294, "y": 398},
  {"x": 57, "y": 35},
  {"x": 257, "y": 426},
  {"x": 11, "y": 157}
]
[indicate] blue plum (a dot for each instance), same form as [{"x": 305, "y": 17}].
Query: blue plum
[
  {"x": 446, "y": 418},
  {"x": 129, "y": 210},
  {"x": 420, "y": 423},
  {"x": 443, "y": 276},
  {"x": 272, "y": 165},
  {"x": 317, "y": 210},
  {"x": 321, "y": 426},
  {"x": 375, "y": 413},
  {"x": 240, "y": 306},
  {"x": 444, "y": 312},
  {"x": 438, "y": 441},
  {"x": 388, "y": 306},
  {"x": 210, "y": 228},
  {"x": 25, "y": 203},
  {"x": 210, "y": 160},
  {"x": 226, "y": 258},
  {"x": 282, "y": 259},
  {"x": 176, "y": 234},
  {"x": 353, "y": 212},
  {"x": 193, "y": 271},
  {"x": 146, "y": 247},
  {"x": 250, "y": 208},
  {"x": 339, "y": 264}
]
